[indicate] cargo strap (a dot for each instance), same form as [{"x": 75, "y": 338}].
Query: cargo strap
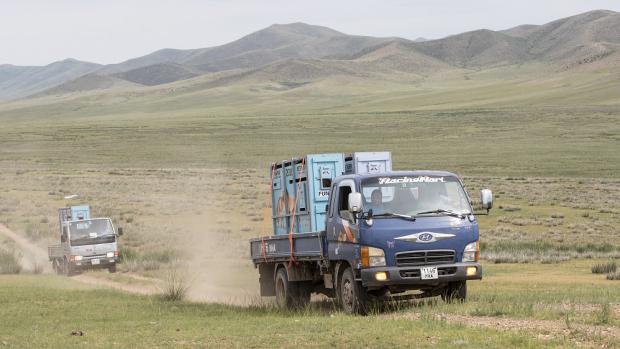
[
  {"x": 290, "y": 234},
  {"x": 270, "y": 198},
  {"x": 263, "y": 249},
  {"x": 263, "y": 230}
]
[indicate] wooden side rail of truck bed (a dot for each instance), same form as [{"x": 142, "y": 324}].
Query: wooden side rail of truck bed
[{"x": 306, "y": 247}]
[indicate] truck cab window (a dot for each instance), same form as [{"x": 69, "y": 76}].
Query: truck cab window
[{"x": 343, "y": 201}]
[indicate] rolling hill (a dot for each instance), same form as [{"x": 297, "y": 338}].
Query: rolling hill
[
  {"x": 299, "y": 54},
  {"x": 17, "y": 81}
]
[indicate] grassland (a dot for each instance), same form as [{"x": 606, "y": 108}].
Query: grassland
[
  {"x": 562, "y": 310},
  {"x": 183, "y": 171}
]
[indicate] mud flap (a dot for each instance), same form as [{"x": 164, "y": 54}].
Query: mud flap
[{"x": 266, "y": 279}]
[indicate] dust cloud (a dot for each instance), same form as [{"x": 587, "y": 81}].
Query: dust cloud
[{"x": 216, "y": 259}]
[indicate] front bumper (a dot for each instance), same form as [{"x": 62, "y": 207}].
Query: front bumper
[
  {"x": 103, "y": 262},
  {"x": 405, "y": 276}
]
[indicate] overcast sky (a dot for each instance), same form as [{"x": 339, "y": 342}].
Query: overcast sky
[{"x": 110, "y": 31}]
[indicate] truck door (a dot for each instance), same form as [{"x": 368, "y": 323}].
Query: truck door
[{"x": 341, "y": 225}]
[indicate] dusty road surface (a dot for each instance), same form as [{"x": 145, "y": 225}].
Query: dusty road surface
[{"x": 32, "y": 254}]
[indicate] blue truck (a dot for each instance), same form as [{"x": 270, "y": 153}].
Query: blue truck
[{"x": 349, "y": 227}]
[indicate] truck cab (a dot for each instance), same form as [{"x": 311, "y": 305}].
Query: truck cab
[{"x": 401, "y": 231}]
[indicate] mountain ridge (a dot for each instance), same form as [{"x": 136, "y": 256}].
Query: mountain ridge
[{"x": 318, "y": 52}]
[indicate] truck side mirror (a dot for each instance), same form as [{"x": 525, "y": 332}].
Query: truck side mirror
[
  {"x": 486, "y": 199},
  {"x": 119, "y": 230},
  {"x": 355, "y": 202},
  {"x": 63, "y": 238}
]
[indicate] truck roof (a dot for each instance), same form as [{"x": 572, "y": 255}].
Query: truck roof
[
  {"x": 89, "y": 219},
  {"x": 398, "y": 173}
]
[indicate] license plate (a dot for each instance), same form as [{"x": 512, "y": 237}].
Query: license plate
[
  {"x": 94, "y": 261},
  {"x": 429, "y": 273}
]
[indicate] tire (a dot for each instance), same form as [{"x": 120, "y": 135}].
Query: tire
[
  {"x": 68, "y": 269},
  {"x": 455, "y": 292},
  {"x": 284, "y": 293},
  {"x": 304, "y": 291},
  {"x": 112, "y": 268},
  {"x": 57, "y": 267},
  {"x": 352, "y": 296}
]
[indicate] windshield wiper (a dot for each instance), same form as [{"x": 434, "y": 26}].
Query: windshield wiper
[
  {"x": 390, "y": 214},
  {"x": 442, "y": 211}
]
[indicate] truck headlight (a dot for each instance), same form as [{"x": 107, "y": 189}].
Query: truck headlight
[
  {"x": 110, "y": 254},
  {"x": 471, "y": 253},
  {"x": 77, "y": 258},
  {"x": 372, "y": 257}
]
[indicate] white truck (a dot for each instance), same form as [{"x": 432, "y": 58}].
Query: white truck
[{"x": 85, "y": 242}]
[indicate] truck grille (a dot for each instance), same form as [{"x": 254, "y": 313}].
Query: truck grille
[
  {"x": 415, "y": 273},
  {"x": 99, "y": 256},
  {"x": 406, "y": 259}
]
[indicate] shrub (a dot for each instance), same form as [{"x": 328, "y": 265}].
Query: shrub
[
  {"x": 175, "y": 286},
  {"x": 10, "y": 262},
  {"x": 604, "y": 316},
  {"x": 126, "y": 254},
  {"x": 613, "y": 276},
  {"x": 604, "y": 268}
]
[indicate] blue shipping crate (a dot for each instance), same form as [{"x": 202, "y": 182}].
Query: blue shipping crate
[
  {"x": 80, "y": 212},
  {"x": 368, "y": 162},
  {"x": 300, "y": 191}
]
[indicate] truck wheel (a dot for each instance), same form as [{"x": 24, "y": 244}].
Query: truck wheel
[
  {"x": 112, "y": 268},
  {"x": 352, "y": 295},
  {"x": 284, "y": 292},
  {"x": 56, "y": 266},
  {"x": 304, "y": 291},
  {"x": 455, "y": 292},
  {"x": 68, "y": 268}
]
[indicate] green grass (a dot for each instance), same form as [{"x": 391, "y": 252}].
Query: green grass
[
  {"x": 488, "y": 142},
  {"x": 44, "y": 310}
]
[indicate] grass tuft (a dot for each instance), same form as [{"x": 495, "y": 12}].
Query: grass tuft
[
  {"x": 604, "y": 316},
  {"x": 10, "y": 262},
  {"x": 604, "y": 268},
  {"x": 613, "y": 276},
  {"x": 175, "y": 286}
]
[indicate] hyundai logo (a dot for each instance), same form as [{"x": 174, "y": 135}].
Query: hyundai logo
[{"x": 425, "y": 237}]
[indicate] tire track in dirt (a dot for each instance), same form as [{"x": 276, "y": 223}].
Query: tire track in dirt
[
  {"x": 32, "y": 253},
  {"x": 35, "y": 254},
  {"x": 138, "y": 289}
]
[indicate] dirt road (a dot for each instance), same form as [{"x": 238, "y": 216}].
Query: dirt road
[{"x": 32, "y": 254}]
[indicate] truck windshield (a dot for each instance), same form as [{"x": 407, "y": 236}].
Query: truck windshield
[
  {"x": 89, "y": 232},
  {"x": 413, "y": 195}
]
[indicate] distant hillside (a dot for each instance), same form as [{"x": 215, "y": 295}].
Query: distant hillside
[
  {"x": 300, "y": 53},
  {"x": 157, "y": 74},
  {"x": 88, "y": 82},
  {"x": 520, "y": 31},
  {"x": 480, "y": 48},
  {"x": 18, "y": 81},
  {"x": 592, "y": 35}
]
